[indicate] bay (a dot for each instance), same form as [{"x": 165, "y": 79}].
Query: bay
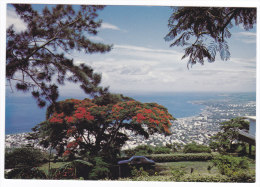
[{"x": 22, "y": 113}]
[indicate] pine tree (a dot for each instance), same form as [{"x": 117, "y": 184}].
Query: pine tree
[{"x": 37, "y": 60}]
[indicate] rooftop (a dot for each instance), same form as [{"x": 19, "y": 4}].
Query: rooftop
[{"x": 250, "y": 117}]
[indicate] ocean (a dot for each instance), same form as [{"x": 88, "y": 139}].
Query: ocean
[{"x": 22, "y": 113}]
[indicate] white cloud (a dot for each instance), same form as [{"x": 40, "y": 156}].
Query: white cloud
[
  {"x": 13, "y": 19},
  {"x": 139, "y": 69},
  {"x": 96, "y": 38},
  {"x": 246, "y": 37},
  {"x": 105, "y": 25}
]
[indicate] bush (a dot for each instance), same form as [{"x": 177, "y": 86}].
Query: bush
[
  {"x": 139, "y": 150},
  {"x": 177, "y": 173},
  {"x": 100, "y": 169},
  {"x": 218, "y": 178},
  {"x": 181, "y": 157},
  {"x": 230, "y": 165},
  {"x": 137, "y": 173},
  {"x": 72, "y": 170},
  {"x": 25, "y": 173},
  {"x": 24, "y": 157},
  {"x": 195, "y": 148},
  {"x": 147, "y": 150},
  {"x": 162, "y": 150}
]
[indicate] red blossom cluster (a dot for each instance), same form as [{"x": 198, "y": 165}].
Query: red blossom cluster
[
  {"x": 82, "y": 113},
  {"x": 71, "y": 130},
  {"x": 57, "y": 118},
  {"x": 66, "y": 153},
  {"x": 154, "y": 117},
  {"x": 72, "y": 145},
  {"x": 140, "y": 117},
  {"x": 86, "y": 112}
]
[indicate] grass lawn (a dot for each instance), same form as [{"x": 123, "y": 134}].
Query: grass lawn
[
  {"x": 45, "y": 166},
  {"x": 199, "y": 167}
]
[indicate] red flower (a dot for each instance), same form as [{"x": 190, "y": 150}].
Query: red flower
[
  {"x": 140, "y": 117},
  {"x": 66, "y": 153}
]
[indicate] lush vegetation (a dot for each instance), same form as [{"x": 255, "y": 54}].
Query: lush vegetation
[
  {"x": 36, "y": 59},
  {"x": 195, "y": 148},
  {"x": 227, "y": 139},
  {"x": 96, "y": 127},
  {"x": 193, "y": 171},
  {"x": 88, "y": 134},
  {"x": 24, "y": 157}
]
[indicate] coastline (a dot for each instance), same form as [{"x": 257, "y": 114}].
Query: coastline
[{"x": 196, "y": 128}]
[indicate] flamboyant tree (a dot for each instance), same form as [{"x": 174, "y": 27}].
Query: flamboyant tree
[
  {"x": 80, "y": 126},
  {"x": 204, "y": 31},
  {"x": 37, "y": 60}
]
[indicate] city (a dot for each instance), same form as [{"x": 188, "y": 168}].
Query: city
[{"x": 184, "y": 130}]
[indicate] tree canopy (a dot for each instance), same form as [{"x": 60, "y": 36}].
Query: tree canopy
[
  {"x": 37, "y": 58},
  {"x": 229, "y": 134},
  {"x": 204, "y": 31},
  {"x": 75, "y": 127}
]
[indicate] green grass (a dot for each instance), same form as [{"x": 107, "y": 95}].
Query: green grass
[
  {"x": 199, "y": 167},
  {"x": 45, "y": 166},
  {"x": 163, "y": 172}
]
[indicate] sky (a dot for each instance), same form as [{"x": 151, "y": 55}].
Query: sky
[{"x": 141, "y": 61}]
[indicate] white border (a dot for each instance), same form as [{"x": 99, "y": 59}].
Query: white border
[{"x": 44, "y": 183}]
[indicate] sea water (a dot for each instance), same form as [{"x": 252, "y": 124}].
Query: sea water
[{"x": 22, "y": 113}]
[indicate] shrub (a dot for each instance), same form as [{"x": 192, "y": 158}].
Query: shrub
[
  {"x": 243, "y": 177},
  {"x": 195, "y": 148},
  {"x": 25, "y": 173},
  {"x": 147, "y": 150},
  {"x": 100, "y": 169},
  {"x": 177, "y": 173},
  {"x": 181, "y": 157},
  {"x": 24, "y": 157},
  {"x": 72, "y": 170},
  {"x": 139, "y": 150},
  {"x": 229, "y": 165},
  {"x": 137, "y": 173},
  {"x": 162, "y": 150}
]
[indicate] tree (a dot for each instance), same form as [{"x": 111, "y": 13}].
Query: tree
[
  {"x": 24, "y": 157},
  {"x": 37, "y": 60},
  {"x": 204, "y": 31},
  {"x": 78, "y": 127},
  {"x": 228, "y": 135}
]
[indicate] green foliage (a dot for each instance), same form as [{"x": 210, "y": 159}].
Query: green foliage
[
  {"x": 230, "y": 165},
  {"x": 147, "y": 150},
  {"x": 225, "y": 140},
  {"x": 204, "y": 31},
  {"x": 36, "y": 58},
  {"x": 73, "y": 170},
  {"x": 24, "y": 157},
  {"x": 175, "y": 147},
  {"x": 161, "y": 150},
  {"x": 195, "y": 148},
  {"x": 139, "y": 173},
  {"x": 25, "y": 173},
  {"x": 180, "y": 157},
  {"x": 68, "y": 122},
  {"x": 100, "y": 170},
  {"x": 177, "y": 173},
  {"x": 242, "y": 177}
]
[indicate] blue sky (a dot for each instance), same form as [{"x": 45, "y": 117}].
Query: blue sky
[{"x": 142, "y": 61}]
